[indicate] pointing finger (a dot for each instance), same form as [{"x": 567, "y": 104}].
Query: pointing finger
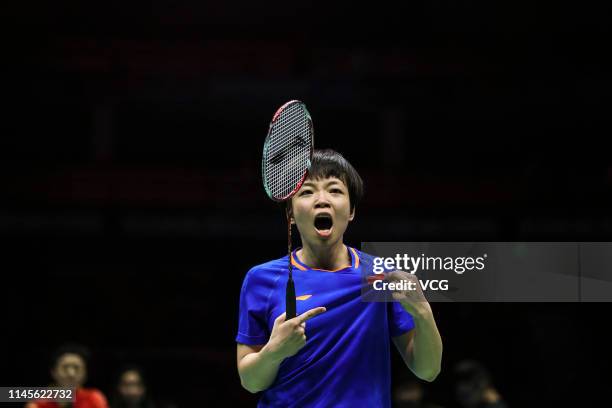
[{"x": 310, "y": 314}]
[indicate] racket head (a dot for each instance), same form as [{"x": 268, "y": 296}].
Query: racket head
[{"x": 287, "y": 151}]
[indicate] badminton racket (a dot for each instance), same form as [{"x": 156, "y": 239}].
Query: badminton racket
[{"x": 287, "y": 155}]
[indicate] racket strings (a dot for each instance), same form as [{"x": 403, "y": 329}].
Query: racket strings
[
  {"x": 290, "y": 122},
  {"x": 288, "y": 155}
]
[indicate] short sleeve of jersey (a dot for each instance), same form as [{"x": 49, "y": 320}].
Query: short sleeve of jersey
[
  {"x": 400, "y": 321},
  {"x": 253, "y": 314}
]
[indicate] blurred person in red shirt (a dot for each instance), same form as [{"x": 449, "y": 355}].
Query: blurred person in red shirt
[{"x": 69, "y": 370}]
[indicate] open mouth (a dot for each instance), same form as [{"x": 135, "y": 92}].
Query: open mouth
[{"x": 323, "y": 224}]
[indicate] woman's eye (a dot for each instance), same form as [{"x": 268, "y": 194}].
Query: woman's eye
[
  {"x": 305, "y": 192},
  {"x": 336, "y": 191}
]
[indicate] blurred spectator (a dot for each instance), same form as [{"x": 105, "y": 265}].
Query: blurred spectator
[
  {"x": 68, "y": 368},
  {"x": 410, "y": 394},
  {"x": 473, "y": 387},
  {"x": 131, "y": 390}
]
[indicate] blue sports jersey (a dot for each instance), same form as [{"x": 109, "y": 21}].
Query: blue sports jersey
[{"x": 346, "y": 361}]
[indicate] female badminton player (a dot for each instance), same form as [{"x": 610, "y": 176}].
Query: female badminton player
[{"x": 336, "y": 351}]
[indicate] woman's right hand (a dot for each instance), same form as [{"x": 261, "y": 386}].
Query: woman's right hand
[{"x": 289, "y": 336}]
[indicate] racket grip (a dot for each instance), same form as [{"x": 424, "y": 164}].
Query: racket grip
[{"x": 290, "y": 299}]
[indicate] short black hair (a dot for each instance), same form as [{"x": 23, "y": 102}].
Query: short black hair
[
  {"x": 70, "y": 348},
  {"x": 327, "y": 163}
]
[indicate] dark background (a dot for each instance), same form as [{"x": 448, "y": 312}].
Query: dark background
[{"x": 133, "y": 203}]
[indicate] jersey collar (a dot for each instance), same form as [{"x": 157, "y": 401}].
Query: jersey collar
[{"x": 295, "y": 261}]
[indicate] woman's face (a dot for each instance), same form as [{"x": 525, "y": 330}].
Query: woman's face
[
  {"x": 69, "y": 371},
  {"x": 321, "y": 209},
  {"x": 131, "y": 386}
]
